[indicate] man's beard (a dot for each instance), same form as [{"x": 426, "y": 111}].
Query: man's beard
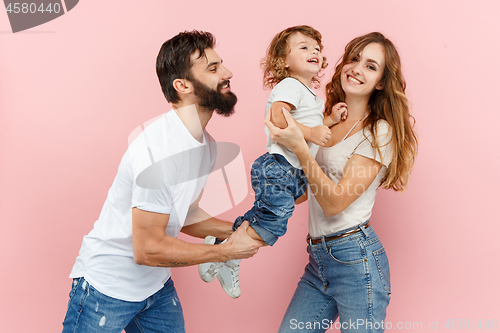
[{"x": 221, "y": 103}]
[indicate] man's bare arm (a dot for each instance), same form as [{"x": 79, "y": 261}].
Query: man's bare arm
[{"x": 152, "y": 247}]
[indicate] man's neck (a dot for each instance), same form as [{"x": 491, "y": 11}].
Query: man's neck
[{"x": 194, "y": 118}]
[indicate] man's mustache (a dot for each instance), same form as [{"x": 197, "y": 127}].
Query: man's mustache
[{"x": 222, "y": 84}]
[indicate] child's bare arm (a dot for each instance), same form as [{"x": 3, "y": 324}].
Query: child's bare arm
[
  {"x": 277, "y": 117},
  {"x": 317, "y": 135}
]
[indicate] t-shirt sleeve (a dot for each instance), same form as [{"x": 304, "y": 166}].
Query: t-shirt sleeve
[
  {"x": 150, "y": 190},
  {"x": 289, "y": 91},
  {"x": 384, "y": 135}
]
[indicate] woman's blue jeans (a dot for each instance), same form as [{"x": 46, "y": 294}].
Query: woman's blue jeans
[
  {"x": 91, "y": 311},
  {"x": 346, "y": 279}
]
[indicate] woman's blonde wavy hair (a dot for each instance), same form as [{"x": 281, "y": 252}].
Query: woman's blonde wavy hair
[
  {"x": 274, "y": 62},
  {"x": 389, "y": 104}
]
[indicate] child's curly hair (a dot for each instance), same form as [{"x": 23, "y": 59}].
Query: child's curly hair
[{"x": 274, "y": 62}]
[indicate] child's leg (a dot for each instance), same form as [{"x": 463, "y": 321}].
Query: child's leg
[
  {"x": 251, "y": 232},
  {"x": 275, "y": 183},
  {"x": 276, "y": 189}
]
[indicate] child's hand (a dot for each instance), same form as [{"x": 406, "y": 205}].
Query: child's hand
[
  {"x": 320, "y": 135},
  {"x": 339, "y": 112}
]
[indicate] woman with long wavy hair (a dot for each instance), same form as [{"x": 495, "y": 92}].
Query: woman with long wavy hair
[{"x": 347, "y": 277}]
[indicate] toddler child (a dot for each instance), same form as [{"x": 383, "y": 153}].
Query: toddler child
[{"x": 291, "y": 68}]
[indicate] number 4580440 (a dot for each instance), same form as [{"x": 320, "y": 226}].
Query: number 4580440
[{"x": 25, "y": 8}]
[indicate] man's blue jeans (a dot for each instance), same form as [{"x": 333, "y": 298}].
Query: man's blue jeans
[
  {"x": 277, "y": 184},
  {"x": 91, "y": 311},
  {"x": 346, "y": 279}
]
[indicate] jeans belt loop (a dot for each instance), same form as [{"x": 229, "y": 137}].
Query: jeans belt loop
[
  {"x": 324, "y": 244},
  {"x": 363, "y": 229}
]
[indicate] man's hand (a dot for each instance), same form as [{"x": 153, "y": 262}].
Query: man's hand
[{"x": 240, "y": 245}]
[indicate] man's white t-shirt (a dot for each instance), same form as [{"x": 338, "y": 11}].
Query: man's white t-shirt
[
  {"x": 332, "y": 160},
  {"x": 308, "y": 111},
  {"x": 164, "y": 171}
]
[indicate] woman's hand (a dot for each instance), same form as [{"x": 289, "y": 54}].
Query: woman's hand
[{"x": 291, "y": 136}]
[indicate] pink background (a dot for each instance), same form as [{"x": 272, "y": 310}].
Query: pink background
[{"x": 73, "y": 89}]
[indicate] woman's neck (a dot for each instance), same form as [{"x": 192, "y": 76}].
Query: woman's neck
[{"x": 357, "y": 107}]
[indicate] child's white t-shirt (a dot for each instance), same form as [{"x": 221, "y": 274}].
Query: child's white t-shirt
[
  {"x": 164, "y": 171},
  {"x": 308, "y": 111}
]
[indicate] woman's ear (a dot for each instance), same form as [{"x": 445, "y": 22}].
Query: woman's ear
[{"x": 380, "y": 86}]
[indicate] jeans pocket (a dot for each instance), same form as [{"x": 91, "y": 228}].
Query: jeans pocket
[
  {"x": 383, "y": 268},
  {"x": 347, "y": 256},
  {"x": 275, "y": 173},
  {"x": 276, "y": 210},
  {"x": 74, "y": 285}
]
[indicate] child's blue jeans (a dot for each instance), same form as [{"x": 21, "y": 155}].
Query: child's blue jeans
[{"x": 277, "y": 184}]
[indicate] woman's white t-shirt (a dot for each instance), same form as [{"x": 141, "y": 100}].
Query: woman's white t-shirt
[{"x": 332, "y": 160}]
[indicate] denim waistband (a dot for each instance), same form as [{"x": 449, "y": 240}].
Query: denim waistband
[
  {"x": 284, "y": 163},
  {"x": 362, "y": 231}
]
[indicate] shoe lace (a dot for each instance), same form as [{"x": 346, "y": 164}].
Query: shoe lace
[
  {"x": 234, "y": 267},
  {"x": 235, "y": 276}
]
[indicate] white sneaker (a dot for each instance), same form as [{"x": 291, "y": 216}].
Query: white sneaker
[
  {"x": 209, "y": 270},
  {"x": 229, "y": 277}
]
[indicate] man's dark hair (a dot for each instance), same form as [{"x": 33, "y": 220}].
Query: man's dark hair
[{"x": 174, "y": 59}]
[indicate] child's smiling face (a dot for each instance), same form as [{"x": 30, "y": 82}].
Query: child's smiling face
[{"x": 304, "y": 60}]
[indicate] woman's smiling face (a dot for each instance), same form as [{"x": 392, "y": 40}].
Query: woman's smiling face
[{"x": 362, "y": 74}]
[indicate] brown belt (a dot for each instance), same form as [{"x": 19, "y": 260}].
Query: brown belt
[{"x": 313, "y": 241}]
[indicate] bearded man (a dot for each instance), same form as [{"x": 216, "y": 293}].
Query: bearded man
[{"x": 121, "y": 277}]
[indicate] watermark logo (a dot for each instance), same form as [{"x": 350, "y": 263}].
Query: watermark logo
[
  {"x": 32, "y": 13},
  {"x": 226, "y": 182}
]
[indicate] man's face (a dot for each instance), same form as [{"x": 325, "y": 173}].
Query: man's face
[{"x": 211, "y": 83}]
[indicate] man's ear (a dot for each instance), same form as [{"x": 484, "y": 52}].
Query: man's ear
[{"x": 182, "y": 86}]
